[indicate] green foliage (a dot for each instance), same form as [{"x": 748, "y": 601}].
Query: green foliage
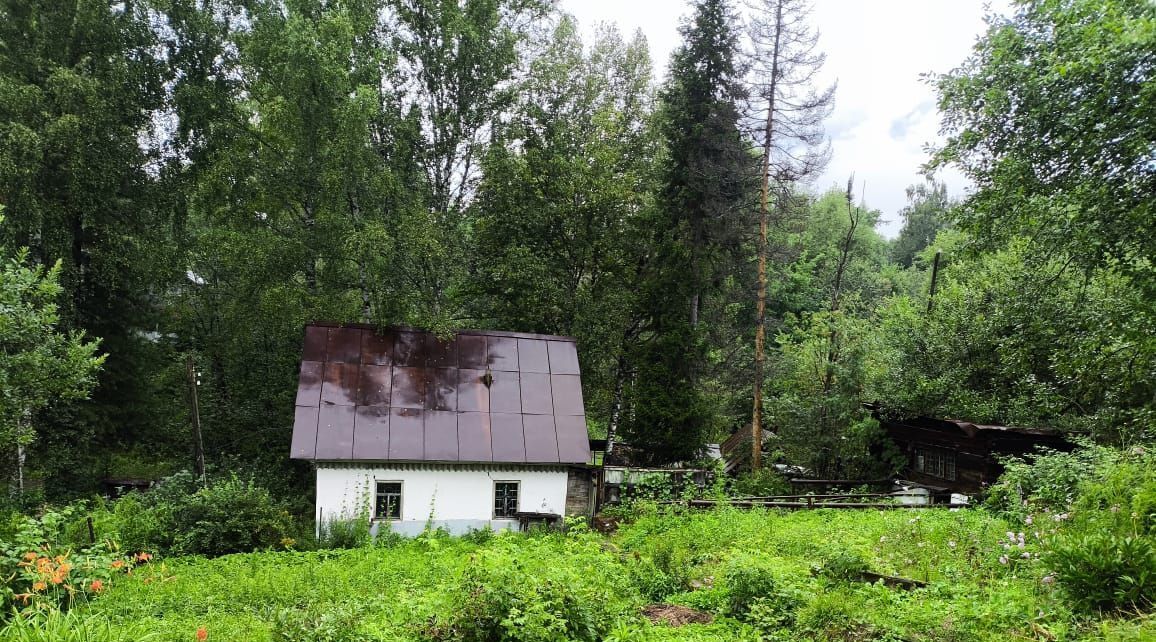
[
  {"x": 40, "y": 363},
  {"x": 1105, "y": 571},
  {"x": 764, "y": 483},
  {"x": 1050, "y": 117},
  {"x": 55, "y": 626},
  {"x": 345, "y": 532},
  {"x": 1049, "y": 481}
]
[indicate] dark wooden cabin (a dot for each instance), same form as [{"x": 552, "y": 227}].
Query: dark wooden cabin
[{"x": 961, "y": 456}]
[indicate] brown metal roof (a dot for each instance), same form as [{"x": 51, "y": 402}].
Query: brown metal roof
[{"x": 405, "y": 395}]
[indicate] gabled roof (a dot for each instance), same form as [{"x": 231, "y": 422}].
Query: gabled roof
[{"x": 404, "y": 395}]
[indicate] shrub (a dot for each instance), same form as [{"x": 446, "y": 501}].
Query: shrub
[
  {"x": 757, "y": 587},
  {"x": 845, "y": 565},
  {"x": 345, "y": 533},
  {"x": 231, "y": 516},
  {"x": 331, "y": 624},
  {"x": 1048, "y": 480},
  {"x": 763, "y": 483},
  {"x": 1105, "y": 571}
]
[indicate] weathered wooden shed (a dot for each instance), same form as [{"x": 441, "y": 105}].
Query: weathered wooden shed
[{"x": 962, "y": 456}]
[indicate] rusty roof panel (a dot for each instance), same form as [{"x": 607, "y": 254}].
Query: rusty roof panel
[
  {"x": 335, "y": 432},
  {"x": 373, "y": 386},
  {"x": 309, "y": 383},
  {"x": 340, "y": 386},
  {"x": 344, "y": 345},
  {"x": 376, "y": 348},
  {"x": 409, "y": 349},
  {"x": 441, "y": 436},
  {"x": 403, "y": 395},
  {"x": 441, "y": 353},
  {"x": 473, "y": 395},
  {"x": 532, "y": 356},
  {"x": 472, "y": 352},
  {"x": 442, "y": 389},
  {"x": 502, "y": 353},
  {"x": 563, "y": 357},
  {"x": 567, "y": 393},
  {"x": 409, "y": 386},
  {"x": 573, "y": 441},
  {"x": 508, "y": 440},
  {"x": 474, "y": 436},
  {"x": 536, "y": 394},
  {"x": 504, "y": 392},
  {"x": 304, "y": 444},
  {"x": 406, "y": 438},
  {"x": 316, "y": 338},
  {"x": 541, "y": 438},
  {"x": 371, "y": 433}
]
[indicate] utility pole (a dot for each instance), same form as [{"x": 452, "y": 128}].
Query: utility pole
[{"x": 198, "y": 443}]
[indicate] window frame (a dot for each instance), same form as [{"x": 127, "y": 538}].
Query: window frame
[
  {"x": 935, "y": 461},
  {"x": 517, "y": 498},
  {"x": 377, "y": 493}
]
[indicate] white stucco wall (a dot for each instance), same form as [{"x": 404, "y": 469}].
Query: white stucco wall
[{"x": 457, "y": 498}]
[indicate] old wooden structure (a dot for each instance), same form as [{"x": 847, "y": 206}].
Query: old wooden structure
[{"x": 960, "y": 456}]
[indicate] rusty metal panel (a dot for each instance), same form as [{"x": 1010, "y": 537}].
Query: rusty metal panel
[
  {"x": 472, "y": 351},
  {"x": 563, "y": 357},
  {"x": 532, "y": 356},
  {"x": 441, "y": 436},
  {"x": 309, "y": 383},
  {"x": 536, "y": 394},
  {"x": 316, "y": 338},
  {"x": 474, "y": 437},
  {"x": 371, "y": 433},
  {"x": 340, "y": 386},
  {"x": 409, "y": 388},
  {"x": 344, "y": 345},
  {"x": 573, "y": 441},
  {"x": 508, "y": 440},
  {"x": 442, "y": 389},
  {"x": 373, "y": 386},
  {"x": 505, "y": 395},
  {"x": 406, "y": 438},
  {"x": 502, "y": 353},
  {"x": 441, "y": 353},
  {"x": 335, "y": 432},
  {"x": 541, "y": 439},
  {"x": 376, "y": 349},
  {"x": 473, "y": 395},
  {"x": 409, "y": 349},
  {"x": 567, "y": 393},
  {"x": 304, "y": 444}
]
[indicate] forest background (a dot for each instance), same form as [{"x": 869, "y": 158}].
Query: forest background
[{"x": 190, "y": 179}]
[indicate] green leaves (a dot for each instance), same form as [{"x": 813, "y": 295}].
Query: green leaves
[{"x": 40, "y": 363}]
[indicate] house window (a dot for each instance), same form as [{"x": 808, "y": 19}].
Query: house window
[
  {"x": 935, "y": 462},
  {"x": 388, "y": 500},
  {"x": 505, "y": 499}
]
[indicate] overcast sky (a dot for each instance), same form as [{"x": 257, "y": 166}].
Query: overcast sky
[{"x": 884, "y": 114}]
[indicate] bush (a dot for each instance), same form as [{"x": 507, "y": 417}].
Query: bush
[
  {"x": 345, "y": 533},
  {"x": 764, "y": 483},
  {"x": 1048, "y": 480},
  {"x": 232, "y": 516},
  {"x": 754, "y": 581},
  {"x": 1104, "y": 571}
]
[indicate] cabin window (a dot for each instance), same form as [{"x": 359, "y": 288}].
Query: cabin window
[
  {"x": 388, "y": 500},
  {"x": 935, "y": 462},
  {"x": 505, "y": 499}
]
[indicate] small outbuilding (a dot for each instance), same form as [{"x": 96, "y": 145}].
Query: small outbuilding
[
  {"x": 481, "y": 429},
  {"x": 961, "y": 456}
]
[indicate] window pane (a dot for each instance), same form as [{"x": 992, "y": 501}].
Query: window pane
[
  {"x": 387, "y": 504},
  {"x": 505, "y": 499}
]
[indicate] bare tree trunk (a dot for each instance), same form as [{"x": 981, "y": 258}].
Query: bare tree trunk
[
  {"x": 764, "y": 216},
  {"x": 616, "y": 405}
]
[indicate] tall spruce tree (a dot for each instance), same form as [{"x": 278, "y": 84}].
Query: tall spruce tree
[{"x": 695, "y": 233}]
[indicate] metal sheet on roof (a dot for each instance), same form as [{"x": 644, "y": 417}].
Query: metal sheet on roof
[{"x": 406, "y": 395}]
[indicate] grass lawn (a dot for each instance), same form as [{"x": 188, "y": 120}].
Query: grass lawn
[{"x": 761, "y": 575}]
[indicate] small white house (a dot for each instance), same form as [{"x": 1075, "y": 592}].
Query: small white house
[{"x": 483, "y": 429}]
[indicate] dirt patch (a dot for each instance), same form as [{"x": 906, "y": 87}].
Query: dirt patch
[{"x": 675, "y": 615}]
